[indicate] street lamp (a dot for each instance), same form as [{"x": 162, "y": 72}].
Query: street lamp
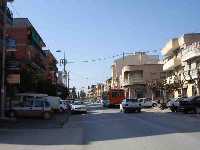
[{"x": 64, "y": 62}]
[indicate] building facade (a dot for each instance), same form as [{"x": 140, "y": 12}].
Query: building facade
[
  {"x": 51, "y": 68},
  {"x": 135, "y": 80},
  {"x": 182, "y": 64},
  {"x": 136, "y": 59},
  {"x": 28, "y": 61},
  {"x": 133, "y": 72}
]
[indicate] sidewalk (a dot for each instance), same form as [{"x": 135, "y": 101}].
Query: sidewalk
[{"x": 57, "y": 121}]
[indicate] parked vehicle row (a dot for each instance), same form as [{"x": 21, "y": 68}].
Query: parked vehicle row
[
  {"x": 128, "y": 105},
  {"x": 184, "y": 104},
  {"x": 37, "y": 105}
]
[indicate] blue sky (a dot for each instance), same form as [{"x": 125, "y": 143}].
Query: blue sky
[{"x": 89, "y": 29}]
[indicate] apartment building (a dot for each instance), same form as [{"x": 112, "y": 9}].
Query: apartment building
[
  {"x": 99, "y": 90},
  {"x": 182, "y": 64},
  {"x": 136, "y": 59},
  {"x": 51, "y": 68},
  {"x": 29, "y": 59}
]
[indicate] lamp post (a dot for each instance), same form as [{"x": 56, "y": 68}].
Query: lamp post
[
  {"x": 3, "y": 91},
  {"x": 64, "y": 62}
]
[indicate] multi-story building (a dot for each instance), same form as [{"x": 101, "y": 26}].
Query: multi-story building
[
  {"x": 99, "y": 90},
  {"x": 51, "y": 68},
  {"x": 133, "y": 73},
  {"x": 136, "y": 77},
  {"x": 8, "y": 20},
  {"x": 28, "y": 54},
  {"x": 182, "y": 64},
  {"x": 107, "y": 85},
  {"x": 136, "y": 59}
]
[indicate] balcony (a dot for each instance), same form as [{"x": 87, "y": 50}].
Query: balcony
[
  {"x": 172, "y": 45},
  {"x": 190, "y": 53},
  {"x": 171, "y": 64},
  {"x": 133, "y": 81}
]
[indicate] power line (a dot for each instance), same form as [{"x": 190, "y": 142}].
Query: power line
[{"x": 110, "y": 57}]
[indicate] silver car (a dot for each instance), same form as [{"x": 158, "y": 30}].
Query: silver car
[
  {"x": 78, "y": 106},
  {"x": 130, "y": 105}
]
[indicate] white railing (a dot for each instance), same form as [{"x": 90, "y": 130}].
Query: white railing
[{"x": 171, "y": 63}]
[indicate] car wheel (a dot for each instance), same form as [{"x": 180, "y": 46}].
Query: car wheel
[
  {"x": 46, "y": 115},
  {"x": 172, "y": 109},
  {"x": 85, "y": 112},
  {"x": 139, "y": 110},
  {"x": 61, "y": 110},
  {"x": 12, "y": 114},
  {"x": 154, "y": 105}
]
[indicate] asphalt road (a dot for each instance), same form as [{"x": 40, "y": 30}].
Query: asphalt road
[{"x": 109, "y": 129}]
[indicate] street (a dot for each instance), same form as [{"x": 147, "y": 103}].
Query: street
[{"x": 103, "y": 129}]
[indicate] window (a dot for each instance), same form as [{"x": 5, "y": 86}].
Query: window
[
  {"x": 132, "y": 100},
  {"x": 39, "y": 103},
  {"x": 141, "y": 100},
  {"x": 47, "y": 104},
  {"x": 28, "y": 103}
]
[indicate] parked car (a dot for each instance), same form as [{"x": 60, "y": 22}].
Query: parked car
[
  {"x": 20, "y": 97},
  {"x": 54, "y": 102},
  {"x": 173, "y": 104},
  {"x": 130, "y": 105},
  {"x": 105, "y": 103},
  {"x": 31, "y": 108},
  {"x": 147, "y": 102},
  {"x": 79, "y": 106},
  {"x": 64, "y": 106},
  {"x": 191, "y": 104}
]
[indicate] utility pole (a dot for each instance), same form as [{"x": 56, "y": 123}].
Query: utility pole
[
  {"x": 68, "y": 80},
  {"x": 3, "y": 91}
]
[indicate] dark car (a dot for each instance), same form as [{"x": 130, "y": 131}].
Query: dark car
[{"x": 191, "y": 104}]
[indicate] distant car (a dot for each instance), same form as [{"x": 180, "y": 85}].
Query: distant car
[
  {"x": 147, "y": 102},
  {"x": 105, "y": 103},
  {"x": 64, "y": 106},
  {"x": 190, "y": 104},
  {"x": 79, "y": 106},
  {"x": 31, "y": 108},
  {"x": 173, "y": 104},
  {"x": 130, "y": 105}
]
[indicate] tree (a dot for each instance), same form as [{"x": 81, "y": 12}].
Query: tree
[
  {"x": 74, "y": 94},
  {"x": 82, "y": 94}
]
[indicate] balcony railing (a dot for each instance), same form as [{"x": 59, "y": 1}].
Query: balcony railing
[
  {"x": 133, "y": 81},
  {"x": 191, "y": 53},
  {"x": 171, "y": 64}
]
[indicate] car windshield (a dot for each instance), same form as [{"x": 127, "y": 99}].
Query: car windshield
[{"x": 131, "y": 100}]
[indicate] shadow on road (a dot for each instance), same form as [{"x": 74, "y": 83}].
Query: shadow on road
[{"x": 103, "y": 126}]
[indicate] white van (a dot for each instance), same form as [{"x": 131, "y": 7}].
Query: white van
[
  {"x": 20, "y": 97},
  {"x": 54, "y": 102}
]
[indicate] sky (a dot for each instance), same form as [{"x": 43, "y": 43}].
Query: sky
[{"x": 92, "y": 29}]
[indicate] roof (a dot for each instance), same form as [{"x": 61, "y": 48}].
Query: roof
[{"x": 24, "y": 22}]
